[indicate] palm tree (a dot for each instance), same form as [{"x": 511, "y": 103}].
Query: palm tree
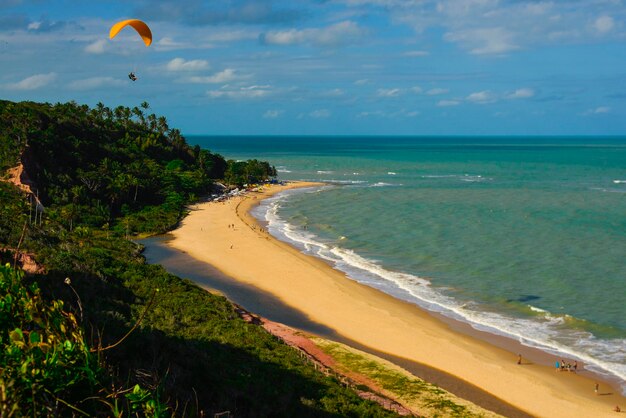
[
  {"x": 152, "y": 121},
  {"x": 176, "y": 139},
  {"x": 139, "y": 113},
  {"x": 100, "y": 110},
  {"x": 118, "y": 113},
  {"x": 162, "y": 125}
]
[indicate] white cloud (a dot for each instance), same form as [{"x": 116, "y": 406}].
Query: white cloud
[
  {"x": 192, "y": 42},
  {"x": 483, "y": 41},
  {"x": 502, "y": 26},
  {"x": 604, "y": 24},
  {"x": 320, "y": 114},
  {"x": 540, "y": 8},
  {"x": 437, "y": 91},
  {"x": 97, "y": 47},
  {"x": 416, "y": 89},
  {"x": 598, "y": 110},
  {"x": 362, "y": 82},
  {"x": 225, "y": 76},
  {"x": 95, "y": 82},
  {"x": 402, "y": 113},
  {"x": 338, "y": 34},
  {"x": 167, "y": 43},
  {"x": 378, "y": 113},
  {"x": 524, "y": 93},
  {"x": 273, "y": 114},
  {"x": 448, "y": 103},
  {"x": 388, "y": 92},
  {"x": 33, "y": 82},
  {"x": 481, "y": 97},
  {"x": 180, "y": 64},
  {"x": 333, "y": 93},
  {"x": 249, "y": 92}
]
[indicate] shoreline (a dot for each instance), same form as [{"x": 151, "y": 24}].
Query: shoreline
[
  {"x": 377, "y": 320},
  {"x": 181, "y": 264}
]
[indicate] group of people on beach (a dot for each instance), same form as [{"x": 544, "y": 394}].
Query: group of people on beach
[{"x": 562, "y": 366}]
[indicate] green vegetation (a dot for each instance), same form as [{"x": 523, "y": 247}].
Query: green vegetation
[
  {"x": 248, "y": 172},
  {"x": 99, "y": 167},
  {"x": 46, "y": 363},
  {"x": 102, "y": 175},
  {"x": 413, "y": 392}
]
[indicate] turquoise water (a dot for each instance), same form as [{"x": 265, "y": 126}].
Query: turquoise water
[{"x": 524, "y": 237}]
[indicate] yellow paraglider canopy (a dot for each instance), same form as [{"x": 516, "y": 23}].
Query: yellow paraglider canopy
[{"x": 142, "y": 29}]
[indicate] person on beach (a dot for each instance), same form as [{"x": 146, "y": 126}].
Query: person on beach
[
  {"x": 617, "y": 408},
  {"x": 575, "y": 367},
  {"x": 519, "y": 359},
  {"x": 597, "y": 387},
  {"x": 558, "y": 366}
]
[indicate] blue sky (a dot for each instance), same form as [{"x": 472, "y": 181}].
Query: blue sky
[{"x": 347, "y": 67}]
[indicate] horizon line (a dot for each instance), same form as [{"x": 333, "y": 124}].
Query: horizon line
[{"x": 617, "y": 136}]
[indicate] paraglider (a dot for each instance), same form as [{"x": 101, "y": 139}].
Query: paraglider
[{"x": 142, "y": 29}]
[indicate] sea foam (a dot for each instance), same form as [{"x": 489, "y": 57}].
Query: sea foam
[
  {"x": 462, "y": 177},
  {"x": 545, "y": 331}
]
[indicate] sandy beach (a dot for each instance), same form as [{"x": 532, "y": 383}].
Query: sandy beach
[{"x": 374, "y": 319}]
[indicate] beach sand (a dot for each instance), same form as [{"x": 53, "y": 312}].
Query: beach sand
[{"x": 374, "y": 319}]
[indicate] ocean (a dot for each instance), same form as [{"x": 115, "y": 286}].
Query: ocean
[{"x": 521, "y": 237}]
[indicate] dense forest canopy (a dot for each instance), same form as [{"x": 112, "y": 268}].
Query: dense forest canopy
[
  {"x": 100, "y": 163},
  {"x": 93, "y": 330}
]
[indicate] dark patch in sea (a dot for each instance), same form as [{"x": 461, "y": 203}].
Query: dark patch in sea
[{"x": 525, "y": 298}]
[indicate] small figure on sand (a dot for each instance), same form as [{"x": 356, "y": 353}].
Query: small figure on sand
[
  {"x": 617, "y": 408},
  {"x": 519, "y": 359},
  {"x": 597, "y": 387}
]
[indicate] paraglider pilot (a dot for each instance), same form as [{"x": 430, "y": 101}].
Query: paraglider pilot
[{"x": 142, "y": 29}]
